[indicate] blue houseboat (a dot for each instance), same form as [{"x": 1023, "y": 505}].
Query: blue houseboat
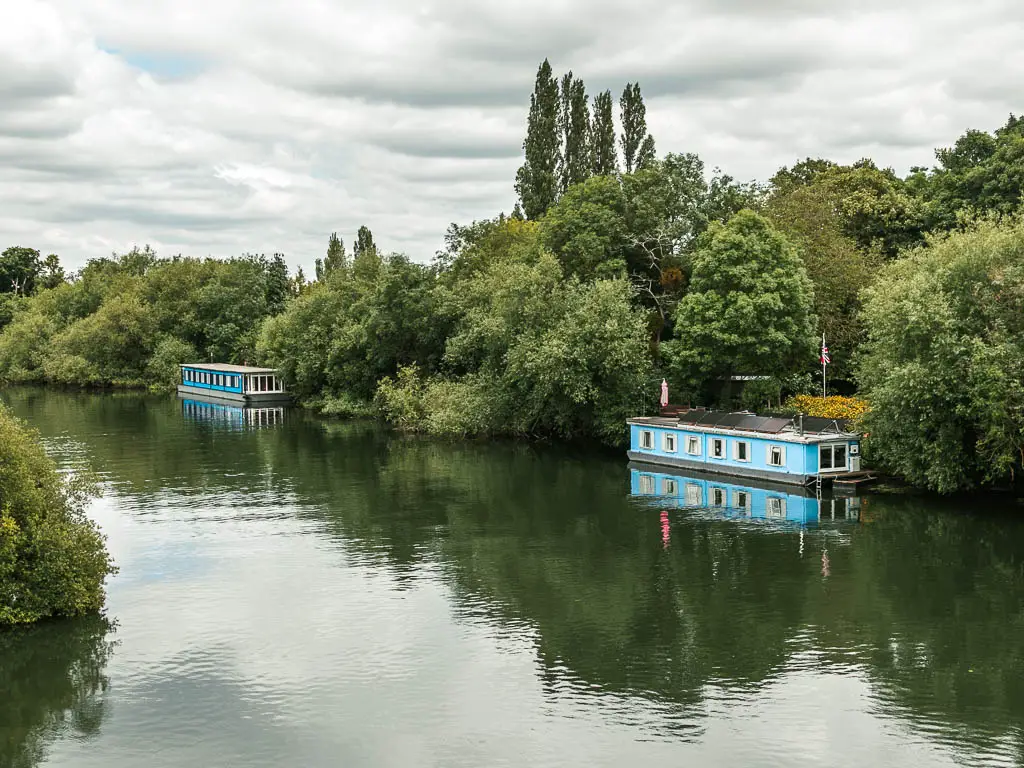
[
  {"x": 730, "y": 499},
  {"x": 798, "y": 450},
  {"x": 232, "y": 384}
]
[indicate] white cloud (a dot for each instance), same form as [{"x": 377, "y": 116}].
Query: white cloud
[{"x": 218, "y": 126}]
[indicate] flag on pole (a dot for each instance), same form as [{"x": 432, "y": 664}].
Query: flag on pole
[{"x": 825, "y": 359}]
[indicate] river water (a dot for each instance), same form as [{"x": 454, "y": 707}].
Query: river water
[{"x": 294, "y": 592}]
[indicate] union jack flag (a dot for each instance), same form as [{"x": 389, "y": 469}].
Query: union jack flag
[{"x": 825, "y": 359}]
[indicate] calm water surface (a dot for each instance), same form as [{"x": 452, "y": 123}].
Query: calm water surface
[{"x": 324, "y": 594}]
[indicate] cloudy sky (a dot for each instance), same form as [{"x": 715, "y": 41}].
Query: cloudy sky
[{"x": 216, "y": 127}]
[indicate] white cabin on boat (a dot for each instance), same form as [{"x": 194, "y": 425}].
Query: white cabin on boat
[{"x": 232, "y": 383}]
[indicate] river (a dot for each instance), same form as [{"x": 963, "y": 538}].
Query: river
[{"x": 297, "y": 592}]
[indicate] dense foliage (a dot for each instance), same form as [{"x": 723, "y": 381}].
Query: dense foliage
[
  {"x": 131, "y": 319},
  {"x": 53, "y": 560},
  {"x": 942, "y": 364}
]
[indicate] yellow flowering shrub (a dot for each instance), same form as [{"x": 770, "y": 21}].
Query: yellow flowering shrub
[{"x": 834, "y": 407}]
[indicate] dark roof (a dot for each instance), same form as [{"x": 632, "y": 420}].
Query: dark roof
[{"x": 752, "y": 422}]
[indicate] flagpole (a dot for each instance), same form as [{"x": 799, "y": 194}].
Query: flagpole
[{"x": 824, "y": 395}]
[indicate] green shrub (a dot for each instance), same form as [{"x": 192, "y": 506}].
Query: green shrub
[{"x": 53, "y": 560}]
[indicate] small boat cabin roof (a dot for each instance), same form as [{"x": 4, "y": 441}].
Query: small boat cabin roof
[
  {"x": 228, "y": 368},
  {"x": 792, "y": 429}
]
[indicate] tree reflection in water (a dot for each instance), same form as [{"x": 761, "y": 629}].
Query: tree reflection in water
[{"x": 53, "y": 681}]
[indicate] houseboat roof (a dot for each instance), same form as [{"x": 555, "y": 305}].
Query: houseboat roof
[
  {"x": 809, "y": 429},
  {"x": 228, "y": 368}
]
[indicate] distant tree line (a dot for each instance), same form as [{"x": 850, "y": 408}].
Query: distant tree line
[{"x": 617, "y": 268}]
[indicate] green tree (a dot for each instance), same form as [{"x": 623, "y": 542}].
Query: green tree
[
  {"x": 941, "y": 364},
  {"x": 809, "y": 215},
  {"x": 602, "y": 137},
  {"x": 537, "y": 179},
  {"x": 749, "y": 307},
  {"x": 879, "y": 211},
  {"x": 335, "y": 260},
  {"x": 637, "y": 143},
  {"x": 981, "y": 173},
  {"x": 19, "y": 270},
  {"x": 52, "y": 556},
  {"x": 52, "y": 273},
  {"x": 575, "y": 127},
  {"x": 366, "y": 260},
  {"x": 536, "y": 354}
]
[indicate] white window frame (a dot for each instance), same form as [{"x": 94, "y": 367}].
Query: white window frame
[
  {"x": 694, "y": 495},
  {"x": 646, "y": 439},
  {"x": 693, "y": 441},
  {"x": 782, "y": 455},
  {"x": 646, "y": 484},
  {"x": 743, "y": 496},
  {"x": 832, "y": 452},
  {"x": 775, "y": 508},
  {"x": 669, "y": 486},
  {"x": 668, "y": 437},
  {"x": 718, "y": 497},
  {"x": 715, "y": 442},
  {"x": 736, "y": 450}
]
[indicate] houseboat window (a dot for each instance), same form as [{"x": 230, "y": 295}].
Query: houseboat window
[
  {"x": 741, "y": 499},
  {"x": 647, "y": 440},
  {"x": 693, "y": 446},
  {"x": 647, "y": 484},
  {"x": 832, "y": 456},
  {"x": 669, "y": 443},
  {"x": 694, "y": 495},
  {"x": 776, "y": 507},
  {"x": 717, "y": 497},
  {"x": 718, "y": 448},
  {"x": 776, "y": 456},
  {"x": 838, "y": 456},
  {"x": 669, "y": 487},
  {"x": 741, "y": 450}
]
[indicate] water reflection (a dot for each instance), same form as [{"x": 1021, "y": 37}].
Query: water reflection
[
  {"x": 450, "y": 589},
  {"x": 231, "y": 416},
  {"x": 728, "y": 498},
  {"x": 53, "y": 682}
]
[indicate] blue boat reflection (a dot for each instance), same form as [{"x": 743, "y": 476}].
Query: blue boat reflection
[
  {"x": 231, "y": 416},
  {"x": 712, "y": 493}
]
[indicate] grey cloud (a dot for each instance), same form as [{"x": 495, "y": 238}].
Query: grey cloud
[
  {"x": 481, "y": 148},
  {"x": 311, "y": 117}
]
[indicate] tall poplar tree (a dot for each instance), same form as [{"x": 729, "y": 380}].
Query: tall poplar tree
[
  {"x": 602, "y": 137},
  {"x": 537, "y": 179},
  {"x": 574, "y": 122},
  {"x": 366, "y": 260},
  {"x": 637, "y": 143},
  {"x": 335, "y": 259}
]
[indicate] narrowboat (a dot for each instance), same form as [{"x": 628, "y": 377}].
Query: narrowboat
[
  {"x": 797, "y": 450},
  {"x": 232, "y": 384}
]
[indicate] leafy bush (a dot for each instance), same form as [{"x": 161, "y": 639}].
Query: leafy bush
[
  {"x": 53, "y": 560},
  {"x": 942, "y": 363},
  {"x": 831, "y": 407},
  {"x": 163, "y": 368}
]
